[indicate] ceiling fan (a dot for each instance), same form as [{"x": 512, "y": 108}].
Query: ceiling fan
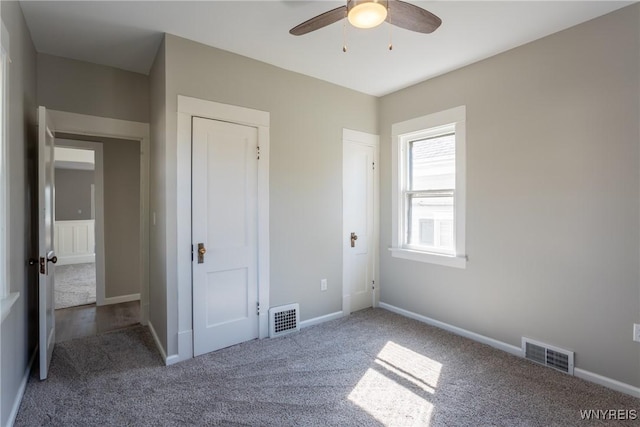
[{"x": 371, "y": 13}]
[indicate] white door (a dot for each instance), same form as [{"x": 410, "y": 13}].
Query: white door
[
  {"x": 359, "y": 158},
  {"x": 224, "y": 218},
  {"x": 47, "y": 322}
]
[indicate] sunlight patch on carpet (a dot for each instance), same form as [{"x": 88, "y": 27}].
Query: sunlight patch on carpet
[{"x": 398, "y": 387}]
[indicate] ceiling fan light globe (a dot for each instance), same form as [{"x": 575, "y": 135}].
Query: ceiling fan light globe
[{"x": 367, "y": 15}]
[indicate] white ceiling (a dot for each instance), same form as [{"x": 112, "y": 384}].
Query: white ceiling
[{"x": 126, "y": 34}]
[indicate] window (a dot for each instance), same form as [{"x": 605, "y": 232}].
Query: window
[
  {"x": 6, "y": 299},
  {"x": 429, "y": 188}
]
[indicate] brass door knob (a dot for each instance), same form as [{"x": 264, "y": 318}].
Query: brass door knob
[{"x": 201, "y": 251}]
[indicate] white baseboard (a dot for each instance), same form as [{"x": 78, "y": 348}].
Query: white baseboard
[
  {"x": 76, "y": 259},
  {"x": 607, "y": 382},
  {"x": 321, "y": 319},
  {"x": 157, "y": 341},
  {"x": 517, "y": 351},
  {"x": 185, "y": 348},
  {"x": 121, "y": 299},
  {"x": 21, "y": 389},
  {"x": 263, "y": 322}
]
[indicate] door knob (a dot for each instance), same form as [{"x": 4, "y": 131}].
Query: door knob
[
  {"x": 201, "y": 251},
  {"x": 51, "y": 257},
  {"x": 354, "y": 237}
]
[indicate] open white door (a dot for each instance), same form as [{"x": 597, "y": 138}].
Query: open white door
[
  {"x": 359, "y": 230},
  {"x": 47, "y": 323},
  {"x": 225, "y": 239}
]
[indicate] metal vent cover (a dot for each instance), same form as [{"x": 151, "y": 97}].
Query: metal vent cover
[
  {"x": 548, "y": 355},
  {"x": 284, "y": 319}
]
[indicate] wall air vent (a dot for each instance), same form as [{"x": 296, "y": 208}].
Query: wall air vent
[
  {"x": 284, "y": 319},
  {"x": 548, "y": 355}
]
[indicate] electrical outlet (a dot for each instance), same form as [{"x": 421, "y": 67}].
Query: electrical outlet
[
  {"x": 323, "y": 284},
  {"x": 636, "y": 332}
]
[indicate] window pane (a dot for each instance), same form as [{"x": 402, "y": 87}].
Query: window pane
[
  {"x": 432, "y": 163},
  {"x": 430, "y": 223}
]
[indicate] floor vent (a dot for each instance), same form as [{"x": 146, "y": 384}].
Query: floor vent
[
  {"x": 548, "y": 355},
  {"x": 284, "y": 319}
]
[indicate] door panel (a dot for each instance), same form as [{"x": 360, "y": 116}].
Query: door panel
[
  {"x": 225, "y": 284},
  {"x": 358, "y": 218},
  {"x": 47, "y": 258}
]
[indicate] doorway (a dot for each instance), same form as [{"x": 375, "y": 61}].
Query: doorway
[
  {"x": 75, "y": 223},
  {"x": 360, "y": 220},
  {"x": 188, "y": 110},
  {"x": 225, "y": 268}
]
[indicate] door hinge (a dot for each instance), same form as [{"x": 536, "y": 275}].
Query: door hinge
[
  {"x": 373, "y": 284},
  {"x": 258, "y": 307},
  {"x": 258, "y": 152},
  {"x": 191, "y": 252},
  {"x": 374, "y": 165}
]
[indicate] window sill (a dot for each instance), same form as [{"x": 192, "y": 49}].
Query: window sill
[
  {"x": 431, "y": 258},
  {"x": 8, "y": 302}
]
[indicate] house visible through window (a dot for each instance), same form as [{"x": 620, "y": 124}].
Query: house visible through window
[
  {"x": 429, "y": 188},
  {"x": 430, "y": 191}
]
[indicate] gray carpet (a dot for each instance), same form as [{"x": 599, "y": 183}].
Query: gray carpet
[
  {"x": 372, "y": 368},
  {"x": 75, "y": 285}
]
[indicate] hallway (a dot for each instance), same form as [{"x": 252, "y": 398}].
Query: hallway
[{"x": 90, "y": 320}]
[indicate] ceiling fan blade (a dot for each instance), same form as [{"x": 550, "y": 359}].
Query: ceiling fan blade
[
  {"x": 320, "y": 21},
  {"x": 410, "y": 17}
]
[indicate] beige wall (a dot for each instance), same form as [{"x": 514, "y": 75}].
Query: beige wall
[
  {"x": 73, "y": 194},
  {"x": 307, "y": 118},
  {"x": 18, "y": 337},
  {"x": 121, "y": 217},
  {"x": 157, "y": 200},
  {"x": 97, "y": 90},
  {"x": 552, "y": 196}
]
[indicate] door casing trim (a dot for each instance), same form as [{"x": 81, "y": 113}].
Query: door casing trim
[
  {"x": 356, "y": 137},
  {"x": 189, "y": 107}
]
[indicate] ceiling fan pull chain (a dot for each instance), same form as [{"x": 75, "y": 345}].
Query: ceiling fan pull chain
[
  {"x": 390, "y": 28},
  {"x": 344, "y": 36}
]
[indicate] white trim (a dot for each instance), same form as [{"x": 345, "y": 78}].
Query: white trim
[
  {"x": 80, "y": 259},
  {"x": 5, "y": 41},
  {"x": 187, "y": 108},
  {"x": 121, "y": 299},
  {"x": 6, "y": 303},
  {"x": 21, "y": 389},
  {"x": 370, "y": 140},
  {"x": 512, "y": 349},
  {"x": 81, "y": 124},
  {"x": 446, "y": 260},
  {"x": 224, "y": 112},
  {"x": 346, "y": 299},
  {"x": 5, "y": 229},
  {"x": 157, "y": 341},
  {"x": 607, "y": 382},
  {"x": 185, "y": 345},
  {"x": 321, "y": 319},
  {"x": 402, "y": 131}
]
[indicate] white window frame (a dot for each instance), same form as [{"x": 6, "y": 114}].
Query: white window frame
[
  {"x": 7, "y": 299},
  {"x": 402, "y": 134}
]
